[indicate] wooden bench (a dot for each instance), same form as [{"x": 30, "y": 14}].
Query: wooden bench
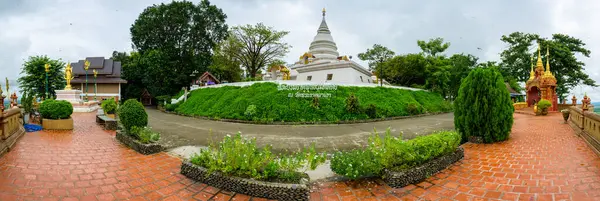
[{"x": 109, "y": 123}]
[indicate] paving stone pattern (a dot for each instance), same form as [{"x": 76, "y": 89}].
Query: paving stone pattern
[{"x": 543, "y": 160}]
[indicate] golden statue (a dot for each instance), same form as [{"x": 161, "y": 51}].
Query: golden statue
[
  {"x": 68, "y": 76},
  {"x": 7, "y": 89}
]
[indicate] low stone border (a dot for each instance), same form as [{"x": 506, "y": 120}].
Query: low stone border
[
  {"x": 422, "y": 172},
  {"x": 269, "y": 190},
  {"x": 305, "y": 123},
  {"x": 145, "y": 149}
]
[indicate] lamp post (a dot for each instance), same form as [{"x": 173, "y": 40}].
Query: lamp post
[
  {"x": 95, "y": 84},
  {"x": 86, "y": 66},
  {"x": 47, "y": 69}
]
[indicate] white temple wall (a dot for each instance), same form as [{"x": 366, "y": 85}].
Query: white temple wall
[{"x": 340, "y": 75}]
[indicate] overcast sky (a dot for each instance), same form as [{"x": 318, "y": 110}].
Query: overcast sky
[{"x": 74, "y": 29}]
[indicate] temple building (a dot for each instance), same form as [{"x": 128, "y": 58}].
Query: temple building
[
  {"x": 108, "y": 78},
  {"x": 541, "y": 83},
  {"x": 323, "y": 64}
]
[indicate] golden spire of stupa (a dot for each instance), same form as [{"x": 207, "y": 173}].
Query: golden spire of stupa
[
  {"x": 531, "y": 73},
  {"x": 539, "y": 63},
  {"x": 548, "y": 73}
]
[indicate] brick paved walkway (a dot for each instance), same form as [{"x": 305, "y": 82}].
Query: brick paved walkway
[{"x": 543, "y": 160}]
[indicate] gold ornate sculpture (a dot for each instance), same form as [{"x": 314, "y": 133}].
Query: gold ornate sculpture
[
  {"x": 69, "y": 76},
  {"x": 286, "y": 72}
]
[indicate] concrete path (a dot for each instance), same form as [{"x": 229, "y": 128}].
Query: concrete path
[{"x": 180, "y": 131}]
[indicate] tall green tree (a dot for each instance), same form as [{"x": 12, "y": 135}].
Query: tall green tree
[
  {"x": 182, "y": 35},
  {"x": 33, "y": 76},
  {"x": 255, "y": 46},
  {"x": 376, "y": 56},
  {"x": 483, "y": 108},
  {"x": 433, "y": 47},
  {"x": 224, "y": 66},
  {"x": 568, "y": 69},
  {"x": 405, "y": 70},
  {"x": 461, "y": 66}
]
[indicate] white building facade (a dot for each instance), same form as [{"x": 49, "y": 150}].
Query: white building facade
[{"x": 323, "y": 63}]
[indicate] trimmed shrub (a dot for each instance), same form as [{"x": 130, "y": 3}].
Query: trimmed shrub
[
  {"x": 371, "y": 111},
  {"x": 56, "y": 109},
  {"x": 315, "y": 102},
  {"x": 109, "y": 106},
  {"x": 132, "y": 113},
  {"x": 352, "y": 104},
  {"x": 544, "y": 104},
  {"x": 162, "y": 99},
  {"x": 236, "y": 156},
  {"x": 483, "y": 108},
  {"x": 171, "y": 107},
  {"x": 393, "y": 153}
]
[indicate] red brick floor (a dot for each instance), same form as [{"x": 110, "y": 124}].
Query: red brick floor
[{"x": 543, "y": 160}]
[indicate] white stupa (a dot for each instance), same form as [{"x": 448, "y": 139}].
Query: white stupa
[{"x": 323, "y": 63}]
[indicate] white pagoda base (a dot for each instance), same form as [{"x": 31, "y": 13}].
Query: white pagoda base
[{"x": 74, "y": 97}]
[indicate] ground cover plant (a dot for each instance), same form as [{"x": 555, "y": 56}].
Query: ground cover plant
[
  {"x": 240, "y": 157},
  {"x": 144, "y": 135},
  {"x": 263, "y": 102},
  {"x": 393, "y": 153}
]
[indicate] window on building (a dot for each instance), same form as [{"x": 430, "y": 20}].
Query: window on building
[
  {"x": 329, "y": 76},
  {"x": 368, "y": 80},
  {"x": 361, "y": 80},
  {"x": 309, "y": 77}
]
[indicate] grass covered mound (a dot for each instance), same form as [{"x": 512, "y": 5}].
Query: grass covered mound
[{"x": 263, "y": 102}]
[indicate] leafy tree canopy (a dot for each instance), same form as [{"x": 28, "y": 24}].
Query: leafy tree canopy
[
  {"x": 568, "y": 70},
  {"x": 255, "y": 46},
  {"x": 178, "y": 38},
  {"x": 433, "y": 46},
  {"x": 376, "y": 56},
  {"x": 33, "y": 76}
]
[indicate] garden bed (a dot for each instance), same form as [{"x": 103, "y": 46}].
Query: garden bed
[
  {"x": 399, "y": 179},
  {"x": 134, "y": 144},
  {"x": 251, "y": 187}
]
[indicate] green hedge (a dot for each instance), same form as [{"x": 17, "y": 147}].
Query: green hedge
[
  {"x": 393, "y": 153},
  {"x": 483, "y": 108},
  {"x": 132, "y": 113},
  {"x": 56, "y": 109},
  {"x": 231, "y": 102},
  {"x": 109, "y": 106}
]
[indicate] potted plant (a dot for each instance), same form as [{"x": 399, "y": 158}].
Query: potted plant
[
  {"x": 56, "y": 115},
  {"x": 566, "y": 114},
  {"x": 543, "y": 106},
  {"x": 109, "y": 107},
  {"x": 27, "y": 104}
]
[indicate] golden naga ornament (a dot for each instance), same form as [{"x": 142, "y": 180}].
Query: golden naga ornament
[{"x": 69, "y": 76}]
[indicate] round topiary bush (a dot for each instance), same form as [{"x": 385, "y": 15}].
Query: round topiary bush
[
  {"x": 483, "y": 110},
  {"x": 132, "y": 113},
  {"x": 53, "y": 109},
  {"x": 109, "y": 106}
]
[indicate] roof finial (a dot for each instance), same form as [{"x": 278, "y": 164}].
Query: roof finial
[
  {"x": 539, "y": 63},
  {"x": 323, "y": 12},
  {"x": 547, "y": 59}
]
